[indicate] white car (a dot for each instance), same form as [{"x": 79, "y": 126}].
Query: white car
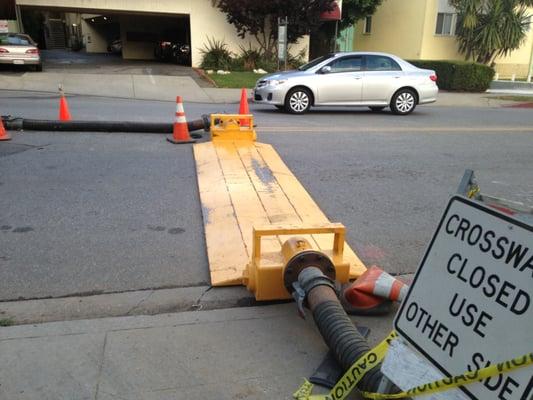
[
  {"x": 375, "y": 80},
  {"x": 19, "y": 49}
]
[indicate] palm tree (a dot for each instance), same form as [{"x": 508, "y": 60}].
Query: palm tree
[{"x": 488, "y": 29}]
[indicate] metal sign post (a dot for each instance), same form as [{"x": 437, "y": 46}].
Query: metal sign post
[
  {"x": 282, "y": 41},
  {"x": 471, "y": 301}
]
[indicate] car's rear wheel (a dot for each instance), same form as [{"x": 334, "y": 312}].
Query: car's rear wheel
[
  {"x": 377, "y": 109},
  {"x": 403, "y": 102},
  {"x": 298, "y": 101}
]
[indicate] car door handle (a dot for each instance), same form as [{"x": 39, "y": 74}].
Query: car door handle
[
  {"x": 357, "y": 77},
  {"x": 397, "y": 77}
]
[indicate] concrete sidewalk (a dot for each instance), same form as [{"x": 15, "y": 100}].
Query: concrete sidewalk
[
  {"x": 240, "y": 353},
  {"x": 141, "y": 87}
]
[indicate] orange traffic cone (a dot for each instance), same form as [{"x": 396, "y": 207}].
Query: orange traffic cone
[
  {"x": 3, "y": 134},
  {"x": 64, "y": 114},
  {"x": 373, "y": 292},
  {"x": 180, "y": 133},
  {"x": 243, "y": 108}
]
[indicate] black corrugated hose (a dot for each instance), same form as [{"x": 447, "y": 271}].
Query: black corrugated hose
[
  {"x": 337, "y": 329},
  {"x": 100, "y": 126},
  {"x": 345, "y": 341}
]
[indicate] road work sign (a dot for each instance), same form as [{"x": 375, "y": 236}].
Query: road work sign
[{"x": 470, "y": 304}]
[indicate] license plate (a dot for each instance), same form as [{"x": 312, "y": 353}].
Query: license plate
[{"x": 18, "y": 62}]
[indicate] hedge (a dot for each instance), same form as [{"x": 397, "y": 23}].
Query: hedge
[{"x": 459, "y": 75}]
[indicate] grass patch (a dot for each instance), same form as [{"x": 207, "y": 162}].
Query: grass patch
[
  {"x": 524, "y": 99},
  {"x": 236, "y": 80},
  {"x": 6, "y": 321}
]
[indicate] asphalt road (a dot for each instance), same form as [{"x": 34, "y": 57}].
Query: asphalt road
[{"x": 86, "y": 212}]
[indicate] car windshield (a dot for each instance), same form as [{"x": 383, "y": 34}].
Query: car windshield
[
  {"x": 315, "y": 62},
  {"x": 16, "y": 40}
]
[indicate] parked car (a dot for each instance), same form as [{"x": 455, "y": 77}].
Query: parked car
[
  {"x": 115, "y": 46},
  {"x": 178, "y": 53},
  {"x": 19, "y": 49},
  {"x": 375, "y": 80}
]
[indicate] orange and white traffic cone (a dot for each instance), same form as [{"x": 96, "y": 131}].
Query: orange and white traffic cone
[
  {"x": 244, "y": 109},
  {"x": 3, "y": 134},
  {"x": 373, "y": 292},
  {"x": 64, "y": 113},
  {"x": 180, "y": 133}
]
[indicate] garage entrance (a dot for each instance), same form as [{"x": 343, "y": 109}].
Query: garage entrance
[
  {"x": 139, "y": 37},
  {"x": 135, "y": 36}
]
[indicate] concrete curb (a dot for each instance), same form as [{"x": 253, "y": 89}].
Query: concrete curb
[{"x": 139, "y": 302}]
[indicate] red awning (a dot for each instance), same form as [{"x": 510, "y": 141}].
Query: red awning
[{"x": 333, "y": 15}]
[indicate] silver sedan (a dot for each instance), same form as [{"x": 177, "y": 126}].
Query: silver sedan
[
  {"x": 375, "y": 80},
  {"x": 19, "y": 49}
]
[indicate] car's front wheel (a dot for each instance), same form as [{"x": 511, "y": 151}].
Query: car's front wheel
[
  {"x": 298, "y": 101},
  {"x": 403, "y": 102}
]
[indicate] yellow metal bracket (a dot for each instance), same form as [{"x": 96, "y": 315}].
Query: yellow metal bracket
[
  {"x": 232, "y": 127},
  {"x": 264, "y": 274}
]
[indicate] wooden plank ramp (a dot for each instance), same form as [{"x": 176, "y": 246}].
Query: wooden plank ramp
[{"x": 247, "y": 184}]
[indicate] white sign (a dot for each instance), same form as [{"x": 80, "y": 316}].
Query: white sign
[
  {"x": 470, "y": 304},
  {"x": 4, "y": 27},
  {"x": 282, "y": 41}
]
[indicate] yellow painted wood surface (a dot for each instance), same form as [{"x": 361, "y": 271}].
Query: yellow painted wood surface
[{"x": 246, "y": 184}]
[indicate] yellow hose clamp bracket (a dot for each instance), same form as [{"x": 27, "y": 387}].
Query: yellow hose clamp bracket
[
  {"x": 232, "y": 127},
  {"x": 269, "y": 271}
]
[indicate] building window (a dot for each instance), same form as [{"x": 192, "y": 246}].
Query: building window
[
  {"x": 446, "y": 23},
  {"x": 367, "y": 28}
]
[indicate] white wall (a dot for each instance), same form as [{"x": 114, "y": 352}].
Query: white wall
[
  {"x": 12, "y": 26},
  {"x": 206, "y": 21},
  {"x": 94, "y": 40}
]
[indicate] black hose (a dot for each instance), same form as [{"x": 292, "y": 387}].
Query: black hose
[
  {"x": 101, "y": 126},
  {"x": 95, "y": 126},
  {"x": 337, "y": 329},
  {"x": 347, "y": 344}
]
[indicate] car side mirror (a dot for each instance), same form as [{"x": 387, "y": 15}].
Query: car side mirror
[{"x": 325, "y": 70}]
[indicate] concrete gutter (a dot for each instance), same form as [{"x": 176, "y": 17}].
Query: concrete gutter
[{"x": 136, "y": 302}]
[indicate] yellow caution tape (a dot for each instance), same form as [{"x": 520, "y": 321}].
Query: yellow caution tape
[
  {"x": 459, "y": 380},
  {"x": 350, "y": 379},
  {"x": 354, "y": 374},
  {"x": 474, "y": 190}
]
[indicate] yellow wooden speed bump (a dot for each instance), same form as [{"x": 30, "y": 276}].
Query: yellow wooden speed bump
[{"x": 244, "y": 185}]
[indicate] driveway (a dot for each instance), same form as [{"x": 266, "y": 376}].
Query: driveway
[{"x": 72, "y": 62}]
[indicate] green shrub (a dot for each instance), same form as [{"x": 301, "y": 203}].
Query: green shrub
[
  {"x": 296, "y": 61},
  {"x": 459, "y": 75},
  {"x": 215, "y": 55},
  {"x": 249, "y": 57},
  {"x": 268, "y": 64},
  {"x": 237, "y": 64}
]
